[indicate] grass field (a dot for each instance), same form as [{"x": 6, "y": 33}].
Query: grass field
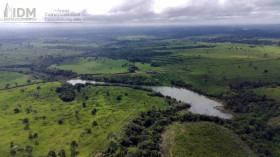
[
  {"x": 94, "y": 66},
  {"x": 202, "y": 139},
  {"x": 210, "y": 69},
  {"x": 30, "y": 53},
  {"x": 102, "y": 66},
  {"x": 272, "y": 93},
  {"x": 12, "y": 79},
  {"x": 44, "y": 109}
]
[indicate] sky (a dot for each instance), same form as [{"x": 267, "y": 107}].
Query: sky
[{"x": 160, "y": 12}]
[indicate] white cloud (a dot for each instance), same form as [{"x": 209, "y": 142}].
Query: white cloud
[{"x": 163, "y": 11}]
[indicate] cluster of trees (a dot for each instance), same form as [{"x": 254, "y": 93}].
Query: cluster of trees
[
  {"x": 66, "y": 92},
  {"x": 131, "y": 54},
  {"x": 143, "y": 135},
  {"x": 253, "y": 112},
  {"x": 61, "y": 153},
  {"x": 181, "y": 83},
  {"x": 242, "y": 40},
  {"x": 186, "y": 47},
  {"x": 59, "y": 72},
  {"x": 130, "y": 80}
]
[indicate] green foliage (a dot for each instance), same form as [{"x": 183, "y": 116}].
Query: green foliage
[
  {"x": 13, "y": 79},
  {"x": 47, "y": 110},
  {"x": 202, "y": 139},
  {"x": 66, "y": 92}
]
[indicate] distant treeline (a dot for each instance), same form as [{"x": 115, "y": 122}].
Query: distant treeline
[
  {"x": 185, "y": 47},
  {"x": 130, "y": 54},
  {"x": 241, "y": 40}
]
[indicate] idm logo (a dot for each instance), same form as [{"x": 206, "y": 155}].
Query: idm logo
[{"x": 11, "y": 12}]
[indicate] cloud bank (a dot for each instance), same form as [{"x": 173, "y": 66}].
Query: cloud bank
[{"x": 160, "y": 12}]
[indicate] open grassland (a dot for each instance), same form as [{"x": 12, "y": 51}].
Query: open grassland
[
  {"x": 34, "y": 52},
  {"x": 13, "y": 79},
  {"x": 211, "y": 69},
  {"x": 102, "y": 65},
  {"x": 94, "y": 65},
  {"x": 44, "y": 110},
  {"x": 202, "y": 139},
  {"x": 271, "y": 93}
]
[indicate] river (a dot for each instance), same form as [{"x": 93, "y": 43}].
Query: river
[{"x": 199, "y": 104}]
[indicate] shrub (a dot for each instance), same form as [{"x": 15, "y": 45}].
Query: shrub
[
  {"x": 119, "y": 98},
  {"x": 94, "y": 123},
  {"x": 62, "y": 153},
  {"x": 51, "y": 153},
  {"x": 16, "y": 110},
  {"x": 60, "y": 122},
  {"x": 13, "y": 152},
  {"x": 25, "y": 121},
  {"x": 93, "y": 112}
]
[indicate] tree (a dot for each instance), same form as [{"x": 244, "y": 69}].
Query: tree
[
  {"x": 60, "y": 122},
  {"x": 66, "y": 92},
  {"x": 62, "y": 153},
  {"x": 132, "y": 68},
  {"x": 93, "y": 112},
  {"x": 119, "y": 97},
  {"x": 112, "y": 147},
  {"x": 51, "y": 153},
  {"x": 13, "y": 152},
  {"x": 26, "y": 127},
  {"x": 30, "y": 137},
  {"x": 74, "y": 144},
  {"x": 35, "y": 135},
  {"x": 7, "y": 86},
  {"x": 84, "y": 105},
  {"x": 29, "y": 149},
  {"x": 74, "y": 152},
  {"x": 94, "y": 123},
  {"x": 88, "y": 131},
  {"x": 25, "y": 121},
  {"x": 16, "y": 110}
]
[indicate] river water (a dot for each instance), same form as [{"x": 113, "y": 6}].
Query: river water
[{"x": 199, "y": 104}]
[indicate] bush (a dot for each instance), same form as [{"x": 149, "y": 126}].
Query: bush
[
  {"x": 60, "y": 122},
  {"x": 66, "y": 92},
  {"x": 62, "y": 153},
  {"x": 13, "y": 152},
  {"x": 94, "y": 123},
  {"x": 51, "y": 153},
  {"x": 16, "y": 110},
  {"x": 93, "y": 112},
  {"x": 119, "y": 98},
  {"x": 25, "y": 121}
]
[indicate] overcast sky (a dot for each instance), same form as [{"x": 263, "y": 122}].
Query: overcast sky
[{"x": 162, "y": 12}]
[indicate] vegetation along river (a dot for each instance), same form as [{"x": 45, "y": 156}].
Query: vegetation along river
[{"x": 199, "y": 104}]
